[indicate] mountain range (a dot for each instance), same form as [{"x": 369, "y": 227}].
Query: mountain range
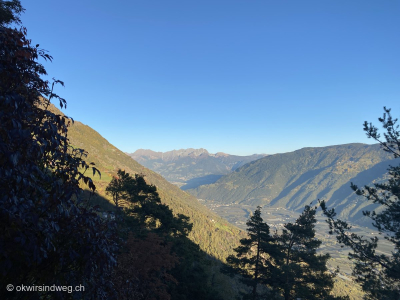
[
  {"x": 190, "y": 168},
  {"x": 295, "y": 179}
]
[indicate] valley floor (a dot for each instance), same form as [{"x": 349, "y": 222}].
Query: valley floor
[{"x": 276, "y": 217}]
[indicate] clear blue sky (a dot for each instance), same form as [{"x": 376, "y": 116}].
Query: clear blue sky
[{"x": 240, "y": 77}]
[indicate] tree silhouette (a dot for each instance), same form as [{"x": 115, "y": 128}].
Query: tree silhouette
[
  {"x": 117, "y": 187},
  {"x": 143, "y": 207},
  {"x": 252, "y": 256},
  {"x": 378, "y": 274},
  {"x": 284, "y": 265},
  {"x": 152, "y": 224},
  {"x": 302, "y": 273},
  {"x": 10, "y": 11},
  {"x": 48, "y": 233}
]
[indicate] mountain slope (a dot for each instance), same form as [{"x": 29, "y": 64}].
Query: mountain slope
[
  {"x": 294, "y": 179},
  {"x": 190, "y": 168},
  {"x": 213, "y": 234}
]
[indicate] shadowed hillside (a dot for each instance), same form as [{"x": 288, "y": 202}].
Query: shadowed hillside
[{"x": 214, "y": 235}]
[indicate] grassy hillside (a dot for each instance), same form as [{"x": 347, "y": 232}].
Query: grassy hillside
[
  {"x": 213, "y": 234},
  {"x": 294, "y": 179}
]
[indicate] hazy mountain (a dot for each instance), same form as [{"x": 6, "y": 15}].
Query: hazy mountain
[
  {"x": 292, "y": 180},
  {"x": 190, "y": 168}
]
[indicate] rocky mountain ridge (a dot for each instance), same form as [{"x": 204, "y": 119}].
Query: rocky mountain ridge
[{"x": 189, "y": 168}]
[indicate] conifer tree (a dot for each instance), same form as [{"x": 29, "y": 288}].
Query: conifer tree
[
  {"x": 143, "y": 207},
  {"x": 302, "y": 273},
  {"x": 250, "y": 259},
  {"x": 117, "y": 187},
  {"x": 283, "y": 265},
  {"x": 157, "y": 253},
  {"x": 378, "y": 274}
]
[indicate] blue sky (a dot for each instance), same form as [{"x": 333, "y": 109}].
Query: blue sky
[{"x": 240, "y": 77}]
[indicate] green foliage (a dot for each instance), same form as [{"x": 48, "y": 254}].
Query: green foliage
[
  {"x": 302, "y": 273},
  {"x": 286, "y": 265},
  {"x": 10, "y": 11},
  {"x": 143, "y": 206},
  {"x": 145, "y": 215},
  {"x": 117, "y": 189},
  {"x": 251, "y": 259},
  {"x": 48, "y": 233},
  {"x": 378, "y": 274}
]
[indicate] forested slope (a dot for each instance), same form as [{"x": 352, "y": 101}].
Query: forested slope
[
  {"x": 213, "y": 234},
  {"x": 294, "y": 179}
]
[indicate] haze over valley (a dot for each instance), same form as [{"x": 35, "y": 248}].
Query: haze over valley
[{"x": 190, "y": 168}]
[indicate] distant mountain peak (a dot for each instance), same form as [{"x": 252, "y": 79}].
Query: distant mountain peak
[
  {"x": 181, "y": 152},
  {"x": 191, "y": 152},
  {"x": 191, "y": 167},
  {"x": 145, "y": 152},
  {"x": 221, "y": 154}
]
